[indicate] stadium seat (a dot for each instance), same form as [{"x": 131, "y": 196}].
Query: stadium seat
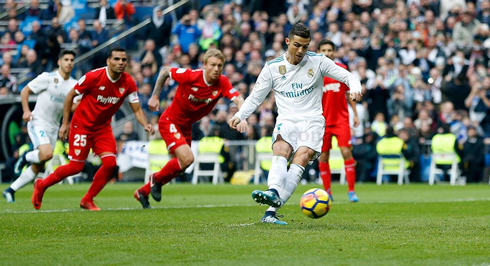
[
  {"x": 158, "y": 156},
  {"x": 336, "y": 161},
  {"x": 392, "y": 164},
  {"x": 454, "y": 171},
  {"x": 211, "y": 157},
  {"x": 259, "y": 159}
]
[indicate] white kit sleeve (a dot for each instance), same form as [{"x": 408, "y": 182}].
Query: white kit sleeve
[
  {"x": 330, "y": 69},
  {"x": 262, "y": 88},
  {"x": 40, "y": 83}
]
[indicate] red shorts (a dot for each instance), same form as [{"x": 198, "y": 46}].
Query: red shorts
[
  {"x": 341, "y": 132},
  {"x": 174, "y": 135},
  {"x": 82, "y": 140}
]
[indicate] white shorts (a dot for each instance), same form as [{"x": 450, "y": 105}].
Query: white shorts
[
  {"x": 41, "y": 134},
  {"x": 303, "y": 133}
]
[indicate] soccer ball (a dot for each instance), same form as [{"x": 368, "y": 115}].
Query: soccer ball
[{"x": 315, "y": 203}]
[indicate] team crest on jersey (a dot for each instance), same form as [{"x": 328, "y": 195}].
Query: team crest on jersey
[
  {"x": 121, "y": 90},
  {"x": 56, "y": 80},
  {"x": 282, "y": 69},
  {"x": 177, "y": 135},
  {"x": 215, "y": 93},
  {"x": 194, "y": 88},
  {"x": 310, "y": 73},
  {"x": 77, "y": 151},
  {"x": 101, "y": 88}
]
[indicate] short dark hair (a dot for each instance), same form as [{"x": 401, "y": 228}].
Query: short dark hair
[
  {"x": 115, "y": 49},
  {"x": 299, "y": 29},
  {"x": 325, "y": 42},
  {"x": 65, "y": 52}
]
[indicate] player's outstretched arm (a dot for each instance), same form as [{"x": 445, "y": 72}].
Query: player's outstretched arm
[
  {"x": 154, "y": 102},
  {"x": 24, "y": 99},
  {"x": 332, "y": 70},
  {"x": 141, "y": 117},
  {"x": 63, "y": 134}
]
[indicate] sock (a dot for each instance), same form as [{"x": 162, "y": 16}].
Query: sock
[
  {"x": 23, "y": 179},
  {"x": 10, "y": 190},
  {"x": 101, "y": 177},
  {"x": 277, "y": 173},
  {"x": 271, "y": 209},
  {"x": 350, "y": 173},
  {"x": 291, "y": 181},
  {"x": 326, "y": 176},
  {"x": 168, "y": 172},
  {"x": 62, "y": 172},
  {"x": 33, "y": 156},
  {"x": 145, "y": 189}
]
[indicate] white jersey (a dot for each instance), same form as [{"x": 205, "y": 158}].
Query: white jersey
[
  {"x": 297, "y": 88},
  {"x": 52, "y": 90}
]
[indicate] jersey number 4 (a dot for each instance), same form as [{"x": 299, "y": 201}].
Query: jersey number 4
[
  {"x": 80, "y": 140},
  {"x": 173, "y": 129}
]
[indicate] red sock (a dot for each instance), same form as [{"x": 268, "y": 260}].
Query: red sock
[
  {"x": 326, "y": 176},
  {"x": 101, "y": 177},
  {"x": 62, "y": 172},
  {"x": 145, "y": 190},
  {"x": 168, "y": 172},
  {"x": 350, "y": 173}
]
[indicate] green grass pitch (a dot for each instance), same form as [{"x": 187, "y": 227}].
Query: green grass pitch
[{"x": 219, "y": 225}]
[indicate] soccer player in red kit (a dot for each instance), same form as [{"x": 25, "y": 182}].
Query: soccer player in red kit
[
  {"x": 104, "y": 90},
  {"x": 196, "y": 96},
  {"x": 337, "y": 124}
]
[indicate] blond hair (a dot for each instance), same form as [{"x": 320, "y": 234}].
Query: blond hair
[{"x": 213, "y": 53}]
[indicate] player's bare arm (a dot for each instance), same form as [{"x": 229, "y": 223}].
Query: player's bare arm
[
  {"x": 354, "y": 109},
  {"x": 65, "y": 127},
  {"x": 24, "y": 99},
  {"x": 141, "y": 117},
  {"x": 154, "y": 102}
]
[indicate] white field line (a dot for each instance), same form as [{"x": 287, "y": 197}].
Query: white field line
[{"x": 7, "y": 211}]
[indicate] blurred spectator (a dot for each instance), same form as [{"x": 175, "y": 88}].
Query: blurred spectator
[
  {"x": 151, "y": 56},
  {"x": 22, "y": 57},
  {"x": 128, "y": 134},
  {"x": 412, "y": 154},
  {"x": 7, "y": 42},
  {"x": 104, "y": 12},
  {"x": 210, "y": 32},
  {"x": 48, "y": 52},
  {"x": 54, "y": 7},
  {"x": 366, "y": 157},
  {"x": 7, "y": 80},
  {"x": 34, "y": 10},
  {"x": 473, "y": 156},
  {"x": 12, "y": 27},
  {"x": 56, "y": 29},
  {"x": 66, "y": 13},
  {"x": 144, "y": 94},
  {"x": 37, "y": 34},
  {"x": 32, "y": 62},
  {"x": 7, "y": 59},
  {"x": 186, "y": 32},
  {"x": 124, "y": 10},
  {"x": 379, "y": 124},
  {"x": 160, "y": 28},
  {"x": 99, "y": 36}
]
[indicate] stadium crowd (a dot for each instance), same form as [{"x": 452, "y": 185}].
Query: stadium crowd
[{"x": 423, "y": 63}]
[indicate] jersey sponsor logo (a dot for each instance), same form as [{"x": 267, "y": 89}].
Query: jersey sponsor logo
[
  {"x": 101, "y": 88},
  {"x": 199, "y": 100},
  {"x": 310, "y": 73},
  {"x": 282, "y": 69},
  {"x": 180, "y": 70},
  {"x": 106, "y": 100},
  {"x": 77, "y": 151},
  {"x": 297, "y": 93},
  {"x": 335, "y": 87},
  {"x": 121, "y": 90},
  {"x": 81, "y": 80},
  {"x": 194, "y": 89}
]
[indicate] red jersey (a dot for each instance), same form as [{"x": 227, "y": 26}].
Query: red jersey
[
  {"x": 102, "y": 97},
  {"x": 194, "y": 97},
  {"x": 334, "y": 101}
]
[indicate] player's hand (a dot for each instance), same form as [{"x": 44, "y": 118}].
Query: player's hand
[
  {"x": 356, "y": 96},
  {"x": 64, "y": 129},
  {"x": 242, "y": 127},
  {"x": 233, "y": 122},
  {"x": 356, "y": 121},
  {"x": 149, "y": 128},
  {"x": 154, "y": 104},
  {"x": 27, "y": 116}
]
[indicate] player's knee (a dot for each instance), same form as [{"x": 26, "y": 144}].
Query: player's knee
[
  {"x": 186, "y": 161},
  {"x": 324, "y": 157},
  {"x": 346, "y": 153},
  {"x": 109, "y": 161},
  {"x": 45, "y": 156}
]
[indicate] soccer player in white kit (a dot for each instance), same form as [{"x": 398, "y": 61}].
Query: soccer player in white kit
[
  {"x": 297, "y": 80},
  {"x": 44, "y": 122}
]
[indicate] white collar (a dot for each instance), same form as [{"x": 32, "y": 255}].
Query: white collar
[
  {"x": 109, "y": 76},
  {"x": 204, "y": 77}
]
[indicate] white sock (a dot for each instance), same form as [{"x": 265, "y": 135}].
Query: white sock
[
  {"x": 291, "y": 181},
  {"x": 272, "y": 209},
  {"x": 279, "y": 168},
  {"x": 33, "y": 156},
  {"x": 23, "y": 179}
]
